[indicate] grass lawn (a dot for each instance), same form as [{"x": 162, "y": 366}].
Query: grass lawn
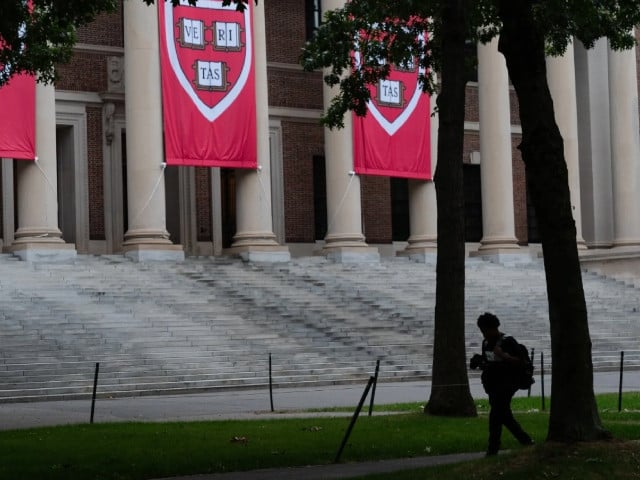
[{"x": 153, "y": 450}]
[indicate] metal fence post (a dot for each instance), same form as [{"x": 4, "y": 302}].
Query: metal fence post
[
  {"x": 375, "y": 384},
  {"x": 95, "y": 388},
  {"x": 353, "y": 420},
  {"x": 620, "y": 385}
]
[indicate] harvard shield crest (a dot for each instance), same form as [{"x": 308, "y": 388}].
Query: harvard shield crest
[{"x": 210, "y": 50}]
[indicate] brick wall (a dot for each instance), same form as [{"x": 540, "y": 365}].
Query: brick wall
[
  {"x": 285, "y": 30},
  {"x": 95, "y": 170},
  {"x": 376, "y": 208},
  {"x": 85, "y": 72},
  {"x": 203, "y": 204},
  {"x": 301, "y": 142},
  {"x": 105, "y": 30},
  {"x": 295, "y": 89}
]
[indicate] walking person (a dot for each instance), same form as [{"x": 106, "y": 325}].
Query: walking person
[{"x": 500, "y": 366}]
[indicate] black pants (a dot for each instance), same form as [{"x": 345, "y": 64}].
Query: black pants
[{"x": 500, "y": 414}]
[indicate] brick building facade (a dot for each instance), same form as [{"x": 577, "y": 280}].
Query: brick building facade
[{"x": 201, "y": 204}]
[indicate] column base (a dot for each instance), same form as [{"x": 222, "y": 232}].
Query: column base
[
  {"x": 420, "y": 254},
  {"x": 423, "y": 249},
  {"x": 153, "y": 252},
  {"x": 261, "y": 253},
  {"x": 258, "y": 247},
  {"x": 43, "y": 250},
  {"x": 509, "y": 255},
  {"x": 362, "y": 254}
]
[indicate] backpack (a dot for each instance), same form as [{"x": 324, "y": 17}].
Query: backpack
[{"x": 524, "y": 374}]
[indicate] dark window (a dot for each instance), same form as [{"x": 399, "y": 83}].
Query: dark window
[
  {"x": 472, "y": 203},
  {"x": 313, "y": 14},
  {"x": 399, "y": 209},
  {"x": 228, "y": 205},
  {"x": 319, "y": 197}
]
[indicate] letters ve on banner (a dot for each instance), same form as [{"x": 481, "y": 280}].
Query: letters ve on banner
[
  {"x": 208, "y": 84},
  {"x": 394, "y": 138}
]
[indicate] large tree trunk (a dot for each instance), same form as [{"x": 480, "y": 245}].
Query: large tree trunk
[
  {"x": 450, "y": 394},
  {"x": 574, "y": 415}
]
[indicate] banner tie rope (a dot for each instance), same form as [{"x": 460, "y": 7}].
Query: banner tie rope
[
  {"x": 153, "y": 192},
  {"x": 352, "y": 174}
]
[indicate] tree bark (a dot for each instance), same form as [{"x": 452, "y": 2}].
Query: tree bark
[
  {"x": 574, "y": 415},
  {"x": 450, "y": 394}
]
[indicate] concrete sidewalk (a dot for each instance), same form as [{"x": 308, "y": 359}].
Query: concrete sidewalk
[
  {"x": 255, "y": 404},
  {"x": 248, "y": 404}
]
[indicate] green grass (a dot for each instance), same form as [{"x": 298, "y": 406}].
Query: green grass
[
  {"x": 153, "y": 450},
  {"x": 593, "y": 461}
]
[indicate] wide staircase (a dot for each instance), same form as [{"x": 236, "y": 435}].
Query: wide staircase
[{"x": 211, "y": 323}]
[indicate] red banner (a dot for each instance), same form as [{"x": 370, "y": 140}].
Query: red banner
[
  {"x": 18, "y": 118},
  {"x": 393, "y": 139},
  {"x": 208, "y": 84}
]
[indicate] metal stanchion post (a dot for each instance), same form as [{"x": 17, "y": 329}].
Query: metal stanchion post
[
  {"x": 270, "y": 383},
  {"x": 620, "y": 385},
  {"x": 353, "y": 420},
  {"x": 375, "y": 383},
  {"x": 95, "y": 389},
  {"x": 533, "y": 353},
  {"x": 542, "y": 378}
]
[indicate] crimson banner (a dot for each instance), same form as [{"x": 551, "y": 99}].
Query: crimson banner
[
  {"x": 208, "y": 84},
  {"x": 18, "y": 118},
  {"x": 393, "y": 139}
]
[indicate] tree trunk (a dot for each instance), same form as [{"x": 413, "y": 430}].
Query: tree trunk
[
  {"x": 450, "y": 394},
  {"x": 574, "y": 415}
]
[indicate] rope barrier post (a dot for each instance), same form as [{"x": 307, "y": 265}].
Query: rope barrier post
[
  {"x": 353, "y": 420},
  {"x": 620, "y": 384},
  {"x": 270, "y": 383},
  {"x": 95, "y": 388},
  {"x": 375, "y": 383},
  {"x": 533, "y": 353},
  {"x": 542, "y": 378}
]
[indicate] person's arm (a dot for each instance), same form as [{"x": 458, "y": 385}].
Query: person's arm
[{"x": 504, "y": 347}]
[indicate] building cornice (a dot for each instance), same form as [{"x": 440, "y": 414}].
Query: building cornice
[{"x": 103, "y": 49}]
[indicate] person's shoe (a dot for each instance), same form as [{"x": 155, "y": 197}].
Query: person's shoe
[{"x": 491, "y": 453}]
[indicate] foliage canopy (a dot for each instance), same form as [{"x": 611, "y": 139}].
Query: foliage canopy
[
  {"x": 36, "y": 35},
  {"x": 387, "y": 32}
]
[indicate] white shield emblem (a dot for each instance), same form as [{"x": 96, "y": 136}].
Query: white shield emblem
[
  {"x": 210, "y": 49},
  {"x": 394, "y": 99}
]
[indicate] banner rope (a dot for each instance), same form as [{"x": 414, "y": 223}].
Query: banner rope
[
  {"x": 153, "y": 192},
  {"x": 53, "y": 189},
  {"x": 352, "y": 174},
  {"x": 267, "y": 203},
  {"x": 44, "y": 174}
]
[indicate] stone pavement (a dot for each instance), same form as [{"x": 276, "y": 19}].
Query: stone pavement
[{"x": 253, "y": 404}]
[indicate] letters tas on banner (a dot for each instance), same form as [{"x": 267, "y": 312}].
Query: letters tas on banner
[
  {"x": 394, "y": 138},
  {"x": 208, "y": 84}
]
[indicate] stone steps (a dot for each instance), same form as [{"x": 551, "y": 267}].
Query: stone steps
[{"x": 211, "y": 323}]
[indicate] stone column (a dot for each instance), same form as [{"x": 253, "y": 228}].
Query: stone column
[
  {"x": 147, "y": 237},
  {"x": 254, "y": 239},
  {"x": 423, "y": 211},
  {"x": 625, "y": 147},
  {"x": 592, "y": 93},
  {"x": 561, "y": 76},
  {"x": 498, "y": 224},
  {"x": 344, "y": 241},
  {"x": 38, "y": 236}
]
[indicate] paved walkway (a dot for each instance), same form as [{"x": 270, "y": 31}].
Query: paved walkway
[{"x": 251, "y": 404}]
